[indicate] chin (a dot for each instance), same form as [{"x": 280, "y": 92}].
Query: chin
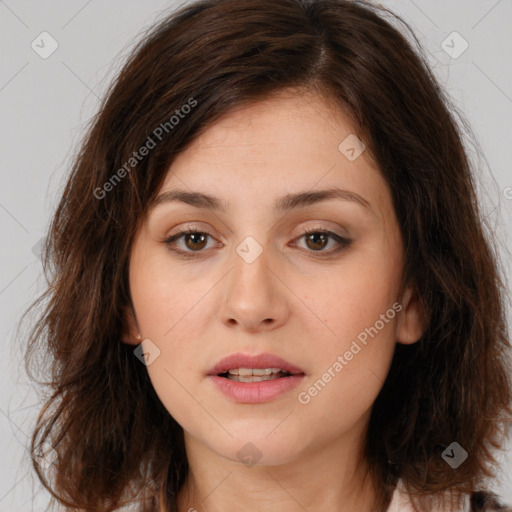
[{"x": 252, "y": 450}]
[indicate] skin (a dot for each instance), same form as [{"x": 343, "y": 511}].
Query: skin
[{"x": 291, "y": 301}]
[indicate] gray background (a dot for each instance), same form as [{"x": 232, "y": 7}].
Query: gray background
[{"x": 46, "y": 103}]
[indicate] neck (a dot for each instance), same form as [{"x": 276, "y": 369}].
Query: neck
[{"x": 330, "y": 477}]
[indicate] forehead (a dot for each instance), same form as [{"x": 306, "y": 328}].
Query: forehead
[
  {"x": 302, "y": 122},
  {"x": 288, "y": 143},
  {"x": 286, "y": 137}
]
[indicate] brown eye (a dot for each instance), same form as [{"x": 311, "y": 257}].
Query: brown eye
[
  {"x": 195, "y": 241},
  {"x": 317, "y": 241}
]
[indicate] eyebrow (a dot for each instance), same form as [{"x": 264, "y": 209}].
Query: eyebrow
[{"x": 285, "y": 203}]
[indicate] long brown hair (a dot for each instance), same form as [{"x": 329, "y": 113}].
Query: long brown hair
[{"x": 111, "y": 435}]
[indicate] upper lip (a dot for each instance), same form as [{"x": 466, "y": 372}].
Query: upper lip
[{"x": 252, "y": 361}]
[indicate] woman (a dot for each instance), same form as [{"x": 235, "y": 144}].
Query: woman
[{"x": 271, "y": 286}]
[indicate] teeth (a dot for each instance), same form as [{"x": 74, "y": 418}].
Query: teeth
[
  {"x": 253, "y": 378},
  {"x": 259, "y": 372}
]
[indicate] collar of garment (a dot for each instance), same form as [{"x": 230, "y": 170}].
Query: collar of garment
[{"x": 401, "y": 502}]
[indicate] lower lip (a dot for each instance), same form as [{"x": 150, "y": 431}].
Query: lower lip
[{"x": 256, "y": 392}]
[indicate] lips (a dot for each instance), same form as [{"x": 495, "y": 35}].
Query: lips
[{"x": 262, "y": 361}]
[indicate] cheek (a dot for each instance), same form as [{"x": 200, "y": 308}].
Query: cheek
[
  {"x": 167, "y": 305},
  {"x": 353, "y": 298},
  {"x": 162, "y": 296},
  {"x": 358, "y": 338},
  {"x": 350, "y": 369}
]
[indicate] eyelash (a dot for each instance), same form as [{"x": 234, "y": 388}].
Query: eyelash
[{"x": 342, "y": 241}]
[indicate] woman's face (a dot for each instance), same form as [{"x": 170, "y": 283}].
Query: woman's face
[{"x": 251, "y": 283}]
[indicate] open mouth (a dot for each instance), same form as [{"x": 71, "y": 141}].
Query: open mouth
[
  {"x": 243, "y": 378},
  {"x": 255, "y": 375}
]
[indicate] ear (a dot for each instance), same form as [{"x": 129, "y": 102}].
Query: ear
[
  {"x": 410, "y": 318},
  {"x": 130, "y": 333}
]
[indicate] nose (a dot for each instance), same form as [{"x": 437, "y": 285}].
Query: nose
[{"x": 255, "y": 297}]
